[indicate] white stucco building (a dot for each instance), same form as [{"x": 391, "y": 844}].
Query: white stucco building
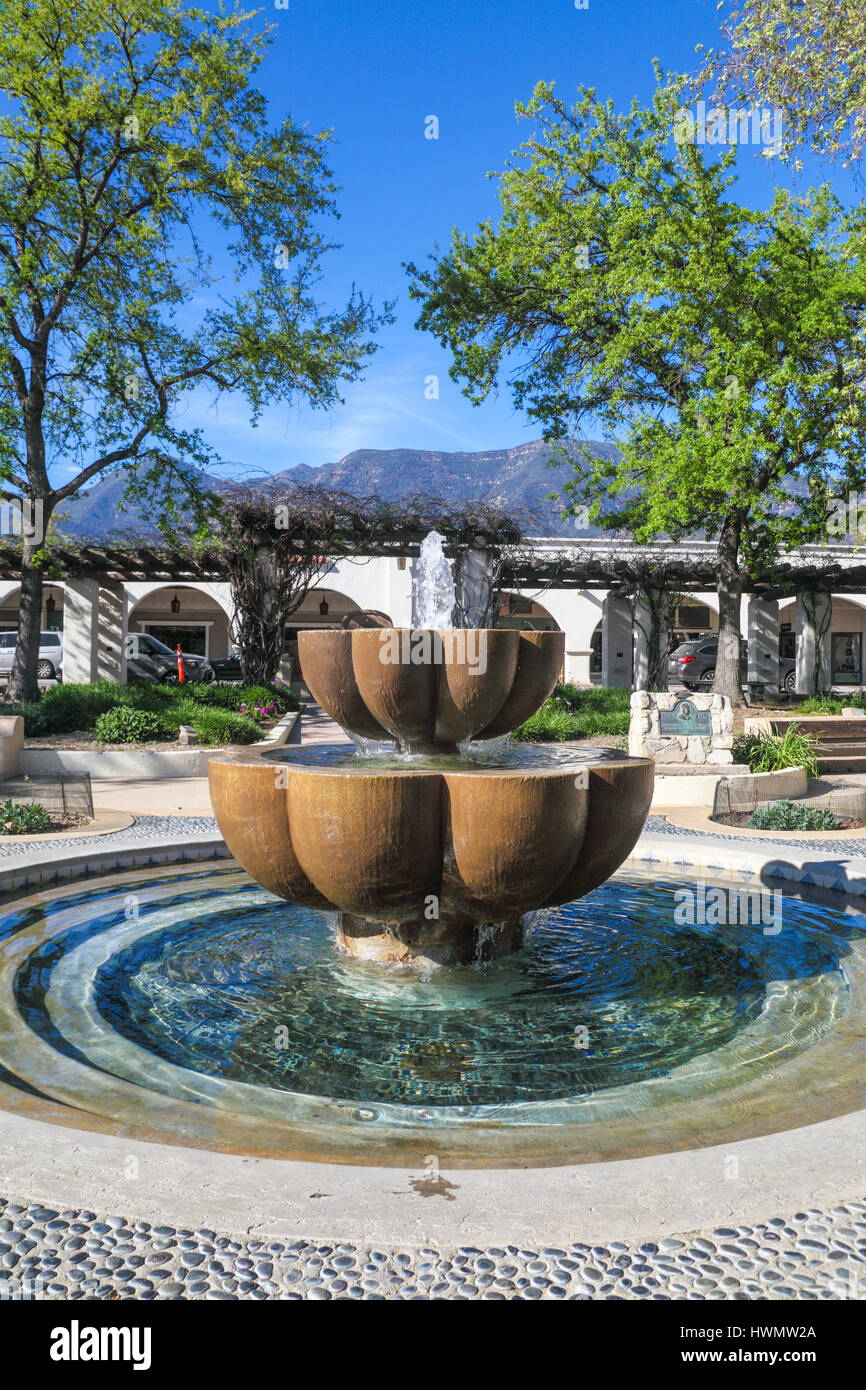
[{"x": 603, "y": 642}]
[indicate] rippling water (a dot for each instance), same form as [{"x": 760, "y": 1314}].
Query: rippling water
[
  {"x": 495, "y": 754},
  {"x": 607, "y": 992}
]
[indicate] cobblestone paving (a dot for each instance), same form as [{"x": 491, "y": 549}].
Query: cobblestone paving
[
  {"x": 143, "y": 828},
  {"x": 54, "y": 1254},
  {"x": 850, "y": 848},
  {"x": 152, "y": 827}
]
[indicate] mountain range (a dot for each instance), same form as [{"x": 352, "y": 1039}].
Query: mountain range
[{"x": 517, "y": 480}]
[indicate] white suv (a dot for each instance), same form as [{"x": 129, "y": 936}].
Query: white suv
[{"x": 50, "y": 664}]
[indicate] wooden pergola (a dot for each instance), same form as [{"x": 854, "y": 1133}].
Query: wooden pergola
[
  {"x": 620, "y": 566},
  {"x": 614, "y": 564}
]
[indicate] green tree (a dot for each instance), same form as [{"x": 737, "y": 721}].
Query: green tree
[
  {"x": 130, "y": 125},
  {"x": 722, "y": 348},
  {"x": 807, "y": 59}
]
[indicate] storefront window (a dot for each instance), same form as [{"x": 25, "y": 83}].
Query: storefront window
[
  {"x": 846, "y": 658},
  {"x": 192, "y": 639}
]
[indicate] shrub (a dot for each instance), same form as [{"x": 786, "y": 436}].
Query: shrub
[
  {"x": 744, "y": 748},
  {"x": 77, "y": 708},
  {"x": 67, "y": 708},
  {"x": 572, "y": 713},
  {"x": 23, "y": 817},
  {"x": 792, "y": 815},
  {"x": 595, "y": 723},
  {"x": 231, "y": 696},
  {"x": 215, "y": 726},
  {"x": 822, "y": 704},
  {"x": 36, "y": 722},
  {"x": 775, "y": 752},
  {"x": 600, "y": 699},
  {"x": 126, "y": 725}
]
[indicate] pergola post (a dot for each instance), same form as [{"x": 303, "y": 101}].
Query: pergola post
[
  {"x": 617, "y": 640},
  {"x": 762, "y": 624},
  {"x": 94, "y": 631},
  {"x": 111, "y": 630},
  {"x": 814, "y": 610},
  {"x": 80, "y": 602}
]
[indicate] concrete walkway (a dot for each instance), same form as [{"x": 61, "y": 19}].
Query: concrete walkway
[
  {"x": 318, "y": 727},
  {"x": 189, "y": 796}
]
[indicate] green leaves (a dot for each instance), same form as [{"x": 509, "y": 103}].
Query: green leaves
[
  {"x": 129, "y": 126},
  {"x": 721, "y": 347},
  {"x": 810, "y": 60}
]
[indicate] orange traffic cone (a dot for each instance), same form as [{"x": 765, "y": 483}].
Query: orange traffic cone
[{"x": 180, "y": 675}]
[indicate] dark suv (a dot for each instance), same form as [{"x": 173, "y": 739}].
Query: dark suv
[{"x": 694, "y": 664}]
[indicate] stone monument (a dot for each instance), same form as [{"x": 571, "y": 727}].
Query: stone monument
[{"x": 681, "y": 730}]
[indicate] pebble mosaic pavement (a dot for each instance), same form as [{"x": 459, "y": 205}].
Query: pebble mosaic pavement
[{"x": 53, "y": 1254}]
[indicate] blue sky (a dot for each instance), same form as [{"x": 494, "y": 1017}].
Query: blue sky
[{"x": 374, "y": 72}]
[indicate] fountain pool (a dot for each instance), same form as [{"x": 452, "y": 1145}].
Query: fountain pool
[{"x": 197, "y": 1008}]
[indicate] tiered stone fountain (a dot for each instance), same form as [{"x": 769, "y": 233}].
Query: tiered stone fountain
[{"x": 436, "y": 851}]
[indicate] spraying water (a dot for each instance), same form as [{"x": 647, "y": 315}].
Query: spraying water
[{"x": 433, "y": 589}]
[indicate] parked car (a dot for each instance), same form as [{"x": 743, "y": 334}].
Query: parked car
[
  {"x": 148, "y": 659},
  {"x": 694, "y": 664},
  {"x": 49, "y": 666},
  {"x": 227, "y": 668}
]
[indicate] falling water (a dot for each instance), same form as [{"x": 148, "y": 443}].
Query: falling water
[{"x": 433, "y": 590}]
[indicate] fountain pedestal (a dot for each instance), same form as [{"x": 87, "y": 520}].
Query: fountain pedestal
[{"x": 421, "y": 944}]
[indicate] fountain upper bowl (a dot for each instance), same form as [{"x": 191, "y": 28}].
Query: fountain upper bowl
[{"x": 430, "y": 689}]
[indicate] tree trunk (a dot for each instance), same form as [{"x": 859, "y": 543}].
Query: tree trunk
[
  {"x": 257, "y": 630},
  {"x": 730, "y": 591},
  {"x": 23, "y": 684},
  {"x": 651, "y": 621}
]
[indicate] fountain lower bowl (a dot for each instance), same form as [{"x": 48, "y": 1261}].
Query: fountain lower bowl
[{"x": 424, "y": 853}]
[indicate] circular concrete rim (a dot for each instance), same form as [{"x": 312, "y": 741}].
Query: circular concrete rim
[
  {"x": 695, "y": 818},
  {"x": 823, "y": 1164},
  {"x": 105, "y": 822}
]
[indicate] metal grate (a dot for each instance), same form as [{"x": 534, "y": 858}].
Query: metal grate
[
  {"x": 66, "y": 795},
  {"x": 741, "y": 796}
]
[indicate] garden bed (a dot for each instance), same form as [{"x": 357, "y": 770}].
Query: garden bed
[
  {"x": 54, "y": 824},
  {"x": 110, "y": 716},
  {"x": 741, "y": 820}
]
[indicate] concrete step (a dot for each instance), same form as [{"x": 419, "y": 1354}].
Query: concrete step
[
  {"x": 835, "y": 728},
  {"x": 842, "y": 762}
]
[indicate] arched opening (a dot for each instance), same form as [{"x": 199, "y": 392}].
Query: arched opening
[
  {"x": 183, "y": 615},
  {"x": 527, "y": 614},
  {"x": 52, "y": 608},
  {"x": 328, "y": 608},
  {"x": 691, "y": 619},
  {"x": 847, "y": 638}
]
